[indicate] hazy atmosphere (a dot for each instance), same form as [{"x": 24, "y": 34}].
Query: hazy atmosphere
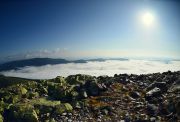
[{"x": 90, "y": 28}]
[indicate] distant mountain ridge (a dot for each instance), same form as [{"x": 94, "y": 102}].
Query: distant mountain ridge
[{"x": 44, "y": 61}]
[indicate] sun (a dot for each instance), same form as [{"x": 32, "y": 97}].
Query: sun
[{"x": 148, "y": 19}]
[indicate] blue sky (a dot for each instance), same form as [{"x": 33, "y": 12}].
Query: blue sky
[{"x": 89, "y": 28}]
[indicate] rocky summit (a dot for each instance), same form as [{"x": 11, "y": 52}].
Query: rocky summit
[{"x": 124, "y": 98}]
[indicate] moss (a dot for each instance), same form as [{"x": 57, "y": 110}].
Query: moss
[
  {"x": 78, "y": 79},
  {"x": 14, "y": 99},
  {"x": 59, "y": 79},
  {"x": 66, "y": 107},
  {"x": 44, "y": 101},
  {"x": 4, "y": 106},
  {"x": 1, "y": 118},
  {"x": 22, "y": 112},
  {"x": 50, "y": 120},
  {"x": 43, "y": 105},
  {"x": 23, "y": 90},
  {"x": 31, "y": 95},
  {"x": 30, "y": 116}
]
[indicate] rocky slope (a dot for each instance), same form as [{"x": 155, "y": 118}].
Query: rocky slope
[{"x": 125, "y": 98}]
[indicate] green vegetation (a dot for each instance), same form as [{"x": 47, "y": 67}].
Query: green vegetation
[
  {"x": 87, "y": 98},
  {"x": 32, "y": 101}
]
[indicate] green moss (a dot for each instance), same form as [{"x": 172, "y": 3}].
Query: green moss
[
  {"x": 60, "y": 80},
  {"x": 22, "y": 112},
  {"x": 66, "y": 107},
  {"x": 31, "y": 95},
  {"x": 23, "y": 90},
  {"x": 43, "y": 105},
  {"x": 78, "y": 79},
  {"x": 1, "y": 118},
  {"x": 14, "y": 98},
  {"x": 4, "y": 106},
  {"x": 44, "y": 101}
]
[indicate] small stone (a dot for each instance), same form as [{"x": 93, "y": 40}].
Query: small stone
[
  {"x": 153, "y": 92},
  {"x": 178, "y": 107},
  {"x": 77, "y": 105},
  {"x": 70, "y": 114},
  {"x": 64, "y": 114},
  {"x": 69, "y": 120},
  {"x": 105, "y": 111},
  {"x": 160, "y": 85},
  {"x": 152, "y": 109},
  {"x": 98, "y": 120},
  {"x": 134, "y": 94},
  {"x": 152, "y": 119}
]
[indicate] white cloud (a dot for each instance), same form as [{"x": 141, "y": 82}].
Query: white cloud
[{"x": 109, "y": 67}]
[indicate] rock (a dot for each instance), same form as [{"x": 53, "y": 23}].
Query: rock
[
  {"x": 161, "y": 85},
  {"x": 154, "y": 96},
  {"x": 163, "y": 108},
  {"x": 59, "y": 79},
  {"x": 138, "y": 107},
  {"x": 105, "y": 111},
  {"x": 1, "y": 118},
  {"x": 178, "y": 108},
  {"x": 83, "y": 94},
  {"x": 44, "y": 105},
  {"x": 2, "y": 106},
  {"x": 152, "y": 119},
  {"x": 154, "y": 92},
  {"x": 134, "y": 94},
  {"x": 78, "y": 79},
  {"x": 127, "y": 117},
  {"x": 152, "y": 109},
  {"x": 171, "y": 106},
  {"x": 69, "y": 120},
  {"x": 102, "y": 87},
  {"x": 51, "y": 120},
  {"x": 123, "y": 97},
  {"x": 174, "y": 88},
  {"x": 43, "y": 91},
  {"x": 74, "y": 95},
  {"x": 23, "y": 90},
  {"x": 14, "y": 99},
  {"x": 64, "y": 114},
  {"x": 66, "y": 107},
  {"x": 31, "y": 95},
  {"x": 76, "y": 104},
  {"x": 23, "y": 112},
  {"x": 30, "y": 116},
  {"x": 63, "y": 93},
  {"x": 92, "y": 88}
]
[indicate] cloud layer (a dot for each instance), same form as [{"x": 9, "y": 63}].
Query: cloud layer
[{"x": 109, "y": 67}]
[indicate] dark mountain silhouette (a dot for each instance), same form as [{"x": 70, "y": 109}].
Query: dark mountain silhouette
[
  {"x": 31, "y": 62},
  {"x": 44, "y": 61}
]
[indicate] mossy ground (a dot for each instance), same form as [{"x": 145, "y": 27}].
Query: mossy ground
[{"x": 87, "y": 98}]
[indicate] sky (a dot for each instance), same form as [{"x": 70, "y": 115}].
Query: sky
[{"x": 89, "y": 28}]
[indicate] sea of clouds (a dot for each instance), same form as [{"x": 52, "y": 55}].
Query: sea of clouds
[{"x": 95, "y": 68}]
